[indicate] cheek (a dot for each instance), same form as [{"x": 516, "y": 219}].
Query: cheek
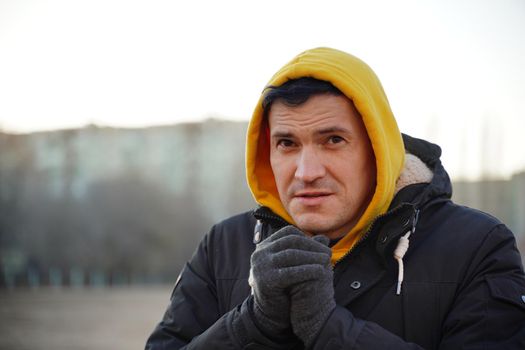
[
  {"x": 370, "y": 170},
  {"x": 357, "y": 173},
  {"x": 279, "y": 173},
  {"x": 367, "y": 178},
  {"x": 366, "y": 159}
]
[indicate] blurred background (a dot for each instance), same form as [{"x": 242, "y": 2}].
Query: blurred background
[{"x": 122, "y": 127}]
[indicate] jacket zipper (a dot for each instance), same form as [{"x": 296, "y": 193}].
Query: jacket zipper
[
  {"x": 264, "y": 216},
  {"x": 367, "y": 233},
  {"x": 272, "y": 216}
]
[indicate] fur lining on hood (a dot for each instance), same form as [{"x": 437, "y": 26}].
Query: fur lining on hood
[{"x": 414, "y": 172}]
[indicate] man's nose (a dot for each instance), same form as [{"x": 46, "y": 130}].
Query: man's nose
[{"x": 310, "y": 166}]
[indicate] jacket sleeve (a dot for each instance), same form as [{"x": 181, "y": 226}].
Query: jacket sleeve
[
  {"x": 344, "y": 331},
  {"x": 193, "y": 306},
  {"x": 488, "y": 311},
  {"x": 193, "y": 320}
]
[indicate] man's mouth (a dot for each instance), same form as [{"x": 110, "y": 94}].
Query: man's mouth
[
  {"x": 312, "y": 197},
  {"x": 312, "y": 194}
]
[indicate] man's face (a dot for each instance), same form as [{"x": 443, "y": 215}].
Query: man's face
[{"x": 323, "y": 163}]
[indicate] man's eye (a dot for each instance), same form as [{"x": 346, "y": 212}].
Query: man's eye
[
  {"x": 335, "y": 139},
  {"x": 285, "y": 143}
]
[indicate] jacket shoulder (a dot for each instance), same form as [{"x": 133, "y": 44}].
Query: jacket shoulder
[
  {"x": 238, "y": 226},
  {"x": 465, "y": 241},
  {"x": 461, "y": 221},
  {"x": 229, "y": 245},
  {"x": 478, "y": 215},
  {"x": 486, "y": 233}
]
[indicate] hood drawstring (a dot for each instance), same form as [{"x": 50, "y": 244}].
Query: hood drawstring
[
  {"x": 401, "y": 249},
  {"x": 257, "y": 232},
  {"x": 257, "y": 237}
]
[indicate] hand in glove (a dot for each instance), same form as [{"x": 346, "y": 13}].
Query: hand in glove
[
  {"x": 286, "y": 259},
  {"x": 312, "y": 301}
]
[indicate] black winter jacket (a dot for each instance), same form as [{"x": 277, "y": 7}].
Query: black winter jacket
[{"x": 464, "y": 286}]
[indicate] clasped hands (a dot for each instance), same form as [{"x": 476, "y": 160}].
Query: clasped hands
[{"x": 292, "y": 282}]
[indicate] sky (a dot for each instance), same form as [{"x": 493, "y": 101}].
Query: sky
[{"x": 453, "y": 70}]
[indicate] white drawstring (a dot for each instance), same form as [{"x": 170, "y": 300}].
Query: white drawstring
[
  {"x": 257, "y": 237},
  {"x": 399, "y": 253}
]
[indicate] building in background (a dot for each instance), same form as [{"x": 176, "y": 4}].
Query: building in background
[
  {"x": 99, "y": 206},
  {"x": 505, "y": 199}
]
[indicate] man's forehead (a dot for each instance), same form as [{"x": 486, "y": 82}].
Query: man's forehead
[
  {"x": 320, "y": 114},
  {"x": 283, "y": 131}
]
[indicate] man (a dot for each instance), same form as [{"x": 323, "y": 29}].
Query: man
[{"x": 356, "y": 244}]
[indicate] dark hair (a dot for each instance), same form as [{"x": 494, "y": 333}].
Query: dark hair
[{"x": 295, "y": 92}]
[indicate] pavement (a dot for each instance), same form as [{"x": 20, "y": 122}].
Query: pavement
[{"x": 69, "y": 318}]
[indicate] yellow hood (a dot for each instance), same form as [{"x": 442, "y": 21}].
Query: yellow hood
[{"x": 359, "y": 83}]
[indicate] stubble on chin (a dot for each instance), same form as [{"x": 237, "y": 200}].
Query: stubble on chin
[{"x": 311, "y": 223}]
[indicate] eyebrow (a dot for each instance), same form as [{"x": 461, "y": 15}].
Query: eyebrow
[
  {"x": 282, "y": 134},
  {"x": 328, "y": 130},
  {"x": 333, "y": 129}
]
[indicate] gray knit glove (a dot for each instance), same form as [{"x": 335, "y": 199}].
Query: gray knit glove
[
  {"x": 283, "y": 260},
  {"x": 312, "y": 301}
]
